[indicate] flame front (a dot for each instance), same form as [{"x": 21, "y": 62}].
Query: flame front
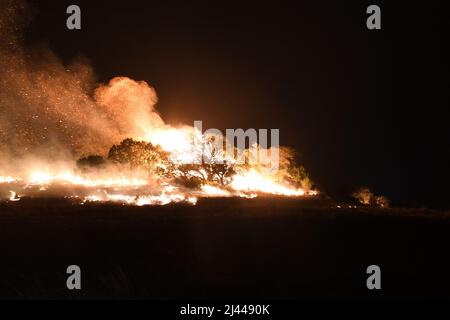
[
  {"x": 134, "y": 187},
  {"x": 251, "y": 181}
]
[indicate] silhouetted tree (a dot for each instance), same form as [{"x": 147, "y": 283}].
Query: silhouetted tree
[
  {"x": 140, "y": 154},
  {"x": 213, "y": 169},
  {"x": 188, "y": 175},
  {"x": 195, "y": 175}
]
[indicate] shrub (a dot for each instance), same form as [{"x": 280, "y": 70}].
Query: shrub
[
  {"x": 363, "y": 195},
  {"x": 140, "y": 154},
  {"x": 382, "y": 202},
  {"x": 366, "y": 197}
]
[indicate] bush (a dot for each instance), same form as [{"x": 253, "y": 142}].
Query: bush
[
  {"x": 363, "y": 195},
  {"x": 382, "y": 202},
  {"x": 291, "y": 172},
  {"x": 298, "y": 176},
  {"x": 195, "y": 175},
  {"x": 140, "y": 154},
  {"x": 366, "y": 197}
]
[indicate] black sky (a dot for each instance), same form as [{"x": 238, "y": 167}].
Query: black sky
[{"x": 353, "y": 102}]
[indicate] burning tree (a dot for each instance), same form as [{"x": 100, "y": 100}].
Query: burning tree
[
  {"x": 213, "y": 168},
  {"x": 207, "y": 164},
  {"x": 144, "y": 155},
  {"x": 297, "y": 176},
  {"x": 195, "y": 175}
]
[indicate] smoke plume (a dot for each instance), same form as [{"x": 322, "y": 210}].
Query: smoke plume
[{"x": 49, "y": 109}]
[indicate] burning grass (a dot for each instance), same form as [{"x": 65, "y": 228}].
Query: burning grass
[{"x": 140, "y": 173}]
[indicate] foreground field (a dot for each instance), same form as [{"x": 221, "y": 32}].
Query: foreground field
[{"x": 222, "y": 248}]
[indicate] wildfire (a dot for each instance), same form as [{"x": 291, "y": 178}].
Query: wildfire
[
  {"x": 138, "y": 190},
  {"x": 159, "y": 165},
  {"x": 157, "y": 171},
  {"x": 52, "y": 114}
]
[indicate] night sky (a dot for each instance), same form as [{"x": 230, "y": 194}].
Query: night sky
[{"x": 352, "y": 101}]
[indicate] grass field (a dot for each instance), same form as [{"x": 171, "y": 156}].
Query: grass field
[{"x": 222, "y": 248}]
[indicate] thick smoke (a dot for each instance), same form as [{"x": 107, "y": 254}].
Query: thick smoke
[{"x": 48, "y": 109}]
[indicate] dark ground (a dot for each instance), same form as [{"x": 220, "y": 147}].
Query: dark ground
[{"x": 228, "y": 248}]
